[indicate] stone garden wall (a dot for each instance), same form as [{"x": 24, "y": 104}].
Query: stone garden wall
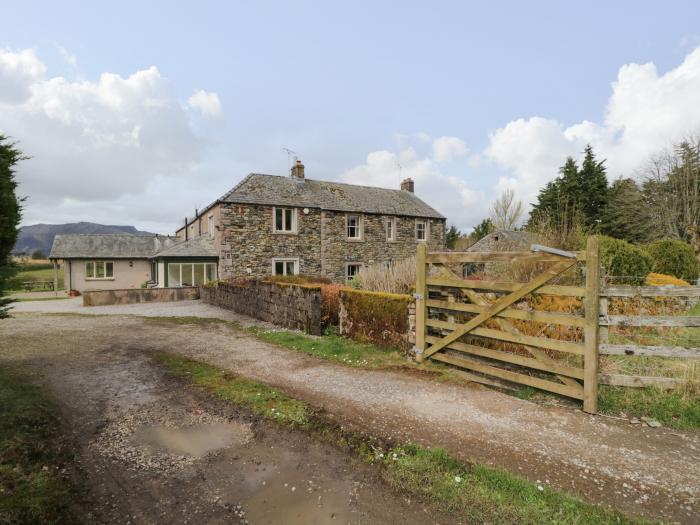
[
  {"x": 139, "y": 295},
  {"x": 289, "y": 305}
]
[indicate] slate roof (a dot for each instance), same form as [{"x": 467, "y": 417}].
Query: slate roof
[
  {"x": 109, "y": 245},
  {"x": 506, "y": 239},
  {"x": 202, "y": 246},
  {"x": 275, "y": 190}
]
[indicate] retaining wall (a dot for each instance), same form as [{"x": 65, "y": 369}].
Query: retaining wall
[
  {"x": 290, "y": 305},
  {"x": 139, "y": 295}
]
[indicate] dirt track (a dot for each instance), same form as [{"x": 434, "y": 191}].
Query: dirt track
[{"x": 645, "y": 471}]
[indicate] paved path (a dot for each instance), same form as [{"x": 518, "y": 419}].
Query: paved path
[{"x": 643, "y": 470}]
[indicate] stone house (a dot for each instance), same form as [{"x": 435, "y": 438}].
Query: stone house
[{"x": 275, "y": 225}]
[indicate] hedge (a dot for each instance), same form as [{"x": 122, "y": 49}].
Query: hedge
[
  {"x": 622, "y": 261},
  {"x": 375, "y": 317},
  {"x": 673, "y": 257}
]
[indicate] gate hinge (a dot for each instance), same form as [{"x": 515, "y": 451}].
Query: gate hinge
[
  {"x": 418, "y": 296},
  {"x": 417, "y": 351}
]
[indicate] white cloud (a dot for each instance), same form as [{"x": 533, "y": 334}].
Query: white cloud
[
  {"x": 18, "y": 71},
  {"x": 446, "y": 149},
  {"x": 207, "y": 103},
  {"x": 646, "y": 112},
  {"x": 117, "y": 143},
  {"x": 450, "y": 195}
]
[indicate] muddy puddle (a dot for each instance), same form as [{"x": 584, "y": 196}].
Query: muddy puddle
[{"x": 194, "y": 440}]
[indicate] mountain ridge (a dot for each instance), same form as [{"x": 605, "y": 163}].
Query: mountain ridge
[{"x": 40, "y": 236}]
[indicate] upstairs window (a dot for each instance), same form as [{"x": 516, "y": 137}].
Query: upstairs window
[
  {"x": 99, "y": 270},
  {"x": 391, "y": 229},
  {"x": 285, "y": 266},
  {"x": 353, "y": 226},
  {"x": 285, "y": 220},
  {"x": 421, "y": 230},
  {"x": 210, "y": 226}
]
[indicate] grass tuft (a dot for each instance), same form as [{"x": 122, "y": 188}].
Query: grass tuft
[
  {"x": 260, "y": 399},
  {"x": 32, "y": 490}
]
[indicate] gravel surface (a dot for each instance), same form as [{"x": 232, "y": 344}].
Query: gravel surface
[
  {"x": 74, "y": 305},
  {"x": 647, "y": 471}
]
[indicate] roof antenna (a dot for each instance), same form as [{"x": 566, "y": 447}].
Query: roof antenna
[
  {"x": 398, "y": 165},
  {"x": 289, "y": 157}
]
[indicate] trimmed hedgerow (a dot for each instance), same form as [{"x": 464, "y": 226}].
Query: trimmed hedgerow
[
  {"x": 375, "y": 317},
  {"x": 623, "y": 262},
  {"x": 673, "y": 257}
]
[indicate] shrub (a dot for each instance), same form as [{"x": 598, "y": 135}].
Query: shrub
[
  {"x": 299, "y": 279},
  {"x": 623, "y": 262},
  {"x": 374, "y": 317},
  {"x": 330, "y": 304},
  {"x": 660, "y": 279},
  {"x": 673, "y": 257},
  {"x": 396, "y": 277}
]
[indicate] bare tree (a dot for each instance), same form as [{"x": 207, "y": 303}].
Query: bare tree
[
  {"x": 506, "y": 212},
  {"x": 672, "y": 191}
]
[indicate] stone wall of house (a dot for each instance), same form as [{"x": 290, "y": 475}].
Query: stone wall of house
[
  {"x": 139, "y": 295},
  {"x": 248, "y": 243},
  {"x": 292, "y": 306},
  {"x": 338, "y": 251}
]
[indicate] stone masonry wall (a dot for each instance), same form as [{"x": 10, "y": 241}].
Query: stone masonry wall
[
  {"x": 139, "y": 295},
  {"x": 292, "y": 306},
  {"x": 248, "y": 245}
]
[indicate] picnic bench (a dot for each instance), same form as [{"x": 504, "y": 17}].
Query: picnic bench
[{"x": 31, "y": 285}]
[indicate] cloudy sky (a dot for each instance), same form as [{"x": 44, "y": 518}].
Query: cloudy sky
[{"x": 140, "y": 112}]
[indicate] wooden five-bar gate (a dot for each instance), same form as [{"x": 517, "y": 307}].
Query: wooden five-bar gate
[{"x": 455, "y": 315}]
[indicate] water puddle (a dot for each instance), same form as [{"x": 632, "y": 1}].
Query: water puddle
[{"x": 195, "y": 440}]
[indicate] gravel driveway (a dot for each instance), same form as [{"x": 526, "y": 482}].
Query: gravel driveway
[{"x": 648, "y": 471}]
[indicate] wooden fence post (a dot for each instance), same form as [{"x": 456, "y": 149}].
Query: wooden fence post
[
  {"x": 592, "y": 310},
  {"x": 421, "y": 296}
]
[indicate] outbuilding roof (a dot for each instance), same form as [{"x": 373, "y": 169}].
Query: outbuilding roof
[
  {"x": 108, "y": 245},
  {"x": 275, "y": 190}
]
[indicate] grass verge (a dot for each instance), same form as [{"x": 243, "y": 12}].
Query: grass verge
[
  {"x": 33, "y": 490},
  {"x": 478, "y": 493}
]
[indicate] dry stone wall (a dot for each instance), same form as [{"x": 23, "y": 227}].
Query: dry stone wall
[{"x": 289, "y": 305}]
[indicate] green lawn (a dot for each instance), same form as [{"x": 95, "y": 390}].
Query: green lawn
[
  {"x": 27, "y": 273},
  {"x": 473, "y": 492},
  {"x": 31, "y": 488}
]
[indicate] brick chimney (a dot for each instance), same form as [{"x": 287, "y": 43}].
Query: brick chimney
[
  {"x": 407, "y": 185},
  {"x": 298, "y": 170}
]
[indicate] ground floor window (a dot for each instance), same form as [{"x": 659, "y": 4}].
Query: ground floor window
[
  {"x": 351, "y": 270},
  {"x": 99, "y": 270},
  {"x": 190, "y": 274},
  {"x": 285, "y": 266}
]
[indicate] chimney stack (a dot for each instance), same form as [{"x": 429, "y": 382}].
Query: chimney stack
[
  {"x": 407, "y": 185},
  {"x": 298, "y": 170}
]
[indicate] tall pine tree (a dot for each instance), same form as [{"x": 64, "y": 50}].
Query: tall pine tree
[
  {"x": 10, "y": 214},
  {"x": 575, "y": 196},
  {"x": 627, "y": 215}
]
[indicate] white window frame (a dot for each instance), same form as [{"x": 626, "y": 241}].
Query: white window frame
[
  {"x": 193, "y": 264},
  {"x": 391, "y": 229},
  {"x": 360, "y": 227},
  {"x": 294, "y": 260},
  {"x": 94, "y": 277},
  {"x": 293, "y": 229},
  {"x": 426, "y": 232},
  {"x": 348, "y": 278},
  {"x": 210, "y": 225}
]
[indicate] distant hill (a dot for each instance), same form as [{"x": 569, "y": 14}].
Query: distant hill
[{"x": 40, "y": 236}]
